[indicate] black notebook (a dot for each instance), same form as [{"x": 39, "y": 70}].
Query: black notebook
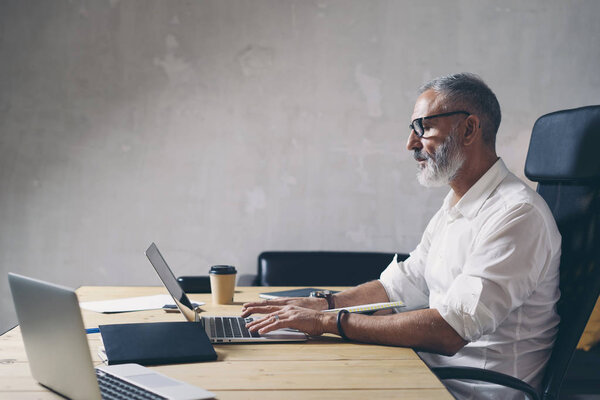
[{"x": 156, "y": 343}]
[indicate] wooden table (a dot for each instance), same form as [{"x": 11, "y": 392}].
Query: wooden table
[{"x": 324, "y": 367}]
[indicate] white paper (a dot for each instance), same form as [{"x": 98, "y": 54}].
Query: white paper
[
  {"x": 130, "y": 304},
  {"x": 364, "y": 308}
]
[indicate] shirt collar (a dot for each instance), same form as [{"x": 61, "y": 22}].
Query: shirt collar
[{"x": 472, "y": 201}]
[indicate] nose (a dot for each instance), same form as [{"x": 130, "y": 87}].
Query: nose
[{"x": 414, "y": 142}]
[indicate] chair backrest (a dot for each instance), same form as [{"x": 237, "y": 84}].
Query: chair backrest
[
  {"x": 563, "y": 158},
  {"x": 327, "y": 268}
]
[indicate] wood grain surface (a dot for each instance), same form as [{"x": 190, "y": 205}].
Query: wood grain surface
[{"x": 321, "y": 367}]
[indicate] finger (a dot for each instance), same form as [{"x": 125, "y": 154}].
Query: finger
[
  {"x": 245, "y": 313},
  {"x": 269, "y": 322},
  {"x": 252, "y": 304},
  {"x": 258, "y": 324},
  {"x": 254, "y": 322},
  {"x": 260, "y": 310},
  {"x": 255, "y": 303},
  {"x": 260, "y": 320},
  {"x": 267, "y": 302},
  {"x": 273, "y": 323},
  {"x": 269, "y": 328}
]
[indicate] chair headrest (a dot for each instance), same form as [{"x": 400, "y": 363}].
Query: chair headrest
[{"x": 565, "y": 146}]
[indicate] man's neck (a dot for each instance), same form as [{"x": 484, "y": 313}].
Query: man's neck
[{"x": 468, "y": 175}]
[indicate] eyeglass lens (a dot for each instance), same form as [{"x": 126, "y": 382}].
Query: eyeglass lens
[{"x": 418, "y": 127}]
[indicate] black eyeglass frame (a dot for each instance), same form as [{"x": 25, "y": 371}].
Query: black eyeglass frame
[{"x": 417, "y": 124}]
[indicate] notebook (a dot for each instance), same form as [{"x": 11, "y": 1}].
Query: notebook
[
  {"x": 291, "y": 293},
  {"x": 368, "y": 308},
  {"x": 156, "y": 343},
  {"x": 59, "y": 354},
  {"x": 230, "y": 329}
]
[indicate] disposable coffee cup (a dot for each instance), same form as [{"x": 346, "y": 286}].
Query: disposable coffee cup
[{"x": 222, "y": 283}]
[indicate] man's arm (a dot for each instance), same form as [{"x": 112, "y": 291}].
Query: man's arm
[
  {"x": 370, "y": 292},
  {"x": 420, "y": 329},
  {"x": 367, "y": 293}
]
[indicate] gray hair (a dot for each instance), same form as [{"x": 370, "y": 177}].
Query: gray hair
[{"x": 469, "y": 93}]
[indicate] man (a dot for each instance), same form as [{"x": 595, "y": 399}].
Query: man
[{"x": 486, "y": 266}]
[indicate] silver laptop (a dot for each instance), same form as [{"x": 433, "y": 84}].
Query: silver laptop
[
  {"x": 59, "y": 354},
  {"x": 219, "y": 329}
]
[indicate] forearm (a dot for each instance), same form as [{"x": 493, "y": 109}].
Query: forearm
[
  {"x": 421, "y": 329},
  {"x": 370, "y": 292}
]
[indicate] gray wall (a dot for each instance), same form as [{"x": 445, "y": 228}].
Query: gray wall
[{"x": 223, "y": 128}]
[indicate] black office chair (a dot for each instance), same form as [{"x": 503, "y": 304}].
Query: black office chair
[
  {"x": 563, "y": 158},
  {"x": 326, "y": 268}
]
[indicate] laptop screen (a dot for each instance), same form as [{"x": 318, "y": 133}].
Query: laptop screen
[
  {"x": 168, "y": 279},
  {"x": 53, "y": 333}
]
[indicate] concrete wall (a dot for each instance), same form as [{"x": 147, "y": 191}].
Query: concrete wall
[{"x": 223, "y": 128}]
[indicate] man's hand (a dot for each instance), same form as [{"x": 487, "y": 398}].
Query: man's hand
[
  {"x": 268, "y": 306},
  {"x": 306, "y": 320}
]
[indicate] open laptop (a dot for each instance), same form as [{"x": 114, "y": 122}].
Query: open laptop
[
  {"x": 59, "y": 354},
  {"x": 218, "y": 329}
]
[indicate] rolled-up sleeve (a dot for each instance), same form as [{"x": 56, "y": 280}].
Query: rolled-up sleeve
[
  {"x": 405, "y": 281},
  {"x": 511, "y": 253}
]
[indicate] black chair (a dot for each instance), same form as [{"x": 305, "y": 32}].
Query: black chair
[
  {"x": 326, "y": 268},
  {"x": 563, "y": 159},
  {"x": 583, "y": 376}
]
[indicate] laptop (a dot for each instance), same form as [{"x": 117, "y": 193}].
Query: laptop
[
  {"x": 218, "y": 329},
  {"x": 59, "y": 355}
]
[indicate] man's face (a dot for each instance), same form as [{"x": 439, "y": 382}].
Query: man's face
[{"x": 438, "y": 152}]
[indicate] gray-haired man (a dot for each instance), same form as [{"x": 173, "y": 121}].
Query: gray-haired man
[{"x": 486, "y": 266}]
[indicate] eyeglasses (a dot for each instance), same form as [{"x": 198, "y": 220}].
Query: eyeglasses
[{"x": 417, "y": 124}]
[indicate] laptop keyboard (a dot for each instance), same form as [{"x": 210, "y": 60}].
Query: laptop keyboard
[
  {"x": 230, "y": 327},
  {"x": 113, "y": 388}
]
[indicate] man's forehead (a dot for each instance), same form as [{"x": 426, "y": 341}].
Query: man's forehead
[{"x": 429, "y": 102}]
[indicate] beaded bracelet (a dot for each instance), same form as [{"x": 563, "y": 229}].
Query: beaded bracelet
[{"x": 339, "y": 324}]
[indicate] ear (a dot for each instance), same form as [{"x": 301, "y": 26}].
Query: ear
[{"x": 472, "y": 129}]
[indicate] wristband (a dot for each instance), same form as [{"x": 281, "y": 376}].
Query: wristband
[{"x": 339, "y": 324}]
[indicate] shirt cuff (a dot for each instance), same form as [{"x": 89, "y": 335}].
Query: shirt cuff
[{"x": 462, "y": 309}]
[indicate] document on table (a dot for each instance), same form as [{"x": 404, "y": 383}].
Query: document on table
[{"x": 130, "y": 304}]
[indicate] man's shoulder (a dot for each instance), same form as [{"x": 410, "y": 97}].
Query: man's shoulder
[
  {"x": 513, "y": 195},
  {"x": 513, "y": 191}
]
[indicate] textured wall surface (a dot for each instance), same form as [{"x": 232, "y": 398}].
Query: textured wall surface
[{"x": 223, "y": 128}]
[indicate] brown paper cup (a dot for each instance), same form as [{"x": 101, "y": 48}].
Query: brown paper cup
[{"x": 222, "y": 283}]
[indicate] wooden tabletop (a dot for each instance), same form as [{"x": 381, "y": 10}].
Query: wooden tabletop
[{"x": 323, "y": 367}]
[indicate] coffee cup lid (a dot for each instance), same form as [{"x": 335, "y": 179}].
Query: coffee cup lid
[{"x": 222, "y": 269}]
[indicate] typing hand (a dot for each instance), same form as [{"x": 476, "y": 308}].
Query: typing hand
[
  {"x": 313, "y": 303},
  {"x": 305, "y": 320}
]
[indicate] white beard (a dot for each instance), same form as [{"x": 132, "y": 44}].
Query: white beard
[{"x": 443, "y": 167}]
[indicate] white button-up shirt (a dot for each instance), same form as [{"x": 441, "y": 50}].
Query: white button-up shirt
[{"x": 489, "y": 265}]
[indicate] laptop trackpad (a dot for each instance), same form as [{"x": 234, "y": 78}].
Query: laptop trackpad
[{"x": 153, "y": 380}]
